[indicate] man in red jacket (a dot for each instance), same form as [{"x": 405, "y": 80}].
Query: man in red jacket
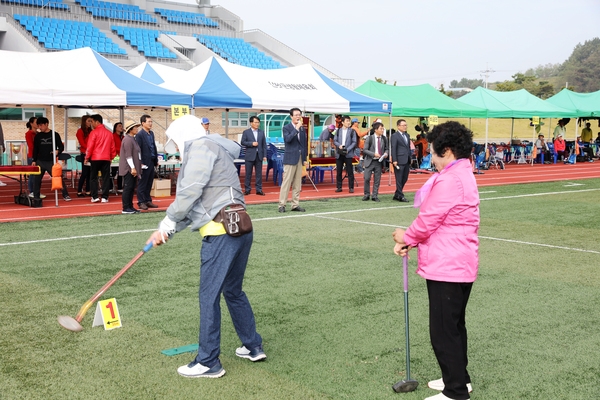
[{"x": 100, "y": 151}]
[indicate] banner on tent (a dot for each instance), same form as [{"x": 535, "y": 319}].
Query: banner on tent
[{"x": 178, "y": 110}]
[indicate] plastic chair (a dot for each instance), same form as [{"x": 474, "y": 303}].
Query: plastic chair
[{"x": 68, "y": 166}]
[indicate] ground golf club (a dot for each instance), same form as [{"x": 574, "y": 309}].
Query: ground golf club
[
  {"x": 407, "y": 385},
  {"x": 74, "y": 324}
]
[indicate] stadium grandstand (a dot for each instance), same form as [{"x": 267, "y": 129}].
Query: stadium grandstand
[{"x": 129, "y": 33}]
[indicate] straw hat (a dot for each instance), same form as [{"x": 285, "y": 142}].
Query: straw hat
[{"x": 130, "y": 125}]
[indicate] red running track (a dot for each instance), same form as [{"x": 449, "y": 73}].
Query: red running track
[{"x": 81, "y": 206}]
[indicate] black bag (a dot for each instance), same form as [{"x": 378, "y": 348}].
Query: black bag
[
  {"x": 235, "y": 219},
  {"x": 364, "y": 122}
]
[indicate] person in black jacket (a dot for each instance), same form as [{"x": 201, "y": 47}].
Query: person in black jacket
[
  {"x": 43, "y": 155},
  {"x": 145, "y": 139}
]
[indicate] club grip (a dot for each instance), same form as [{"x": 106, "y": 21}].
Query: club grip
[{"x": 148, "y": 247}]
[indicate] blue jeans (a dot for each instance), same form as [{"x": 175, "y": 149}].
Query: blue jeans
[{"x": 222, "y": 268}]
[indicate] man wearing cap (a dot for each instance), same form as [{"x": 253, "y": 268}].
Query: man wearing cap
[
  {"x": 130, "y": 166},
  {"x": 400, "y": 152},
  {"x": 256, "y": 152},
  {"x": 327, "y": 133},
  {"x": 207, "y": 183},
  {"x": 206, "y": 125},
  {"x": 145, "y": 139},
  {"x": 345, "y": 143}
]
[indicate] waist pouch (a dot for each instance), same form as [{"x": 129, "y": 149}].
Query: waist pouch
[{"x": 235, "y": 219}]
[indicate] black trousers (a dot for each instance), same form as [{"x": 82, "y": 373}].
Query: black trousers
[
  {"x": 145, "y": 185},
  {"x": 448, "y": 334},
  {"x": 128, "y": 189},
  {"x": 257, "y": 165},
  {"x": 401, "y": 176},
  {"x": 45, "y": 166},
  {"x": 85, "y": 176},
  {"x": 339, "y": 164},
  {"x": 104, "y": 167}
]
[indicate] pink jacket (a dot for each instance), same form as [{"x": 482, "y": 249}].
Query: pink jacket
[{"x": 445, "y": 230}]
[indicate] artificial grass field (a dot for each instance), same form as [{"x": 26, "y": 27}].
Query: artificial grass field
[{"x": 326, "y": 289}]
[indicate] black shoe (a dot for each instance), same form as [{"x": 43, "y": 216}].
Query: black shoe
[
  {"x": 376, "y": 199},
  {"x": 246, "y": 193},
  {"x": 299, "y": 209},
  {"x": 128, "y": 211},
  {"x": 366, "y": 197},
  {"x": 261, "y": 193},
  {"x": 404, "y": 200},
  {"x": 282, "y": 209},
  {"x": 338, "y": 190},
  {"x": 351, "y": 190},
  {"x": 79, "y": 194},
  {"x": 397, "y": 198}
]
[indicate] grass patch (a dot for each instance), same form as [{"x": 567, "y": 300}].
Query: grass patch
[{"x": 327, "y": 293}]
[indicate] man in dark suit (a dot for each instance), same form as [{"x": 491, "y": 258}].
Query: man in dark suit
[
  {"x": 400, "y": 143},
  {"x": 374, "y": 152},
  {"x": 345, "y": 143},
  {"x": 145, "y": 139},
  {"x": 294, "y": 158},
  {"x": 256, "y": 152}
]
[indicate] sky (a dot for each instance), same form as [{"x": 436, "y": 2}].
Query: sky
[{"x": 424, "y": 41}]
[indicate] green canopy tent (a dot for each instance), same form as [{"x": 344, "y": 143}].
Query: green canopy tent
[
  {"x": 584, "y": 104},
  {"x": 420, "y": 101},
  {"x": 515, "y": 104}
]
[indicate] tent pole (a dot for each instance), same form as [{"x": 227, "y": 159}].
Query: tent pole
[
  {"x": 227, "y": 123},
  {"x": 512, "y": 130},
  {"x": 66, "y": 127},
  {"x": 53, "y": 153},
  {"x": 390, "y": 168},
  {"x": 487, "y": 120}
]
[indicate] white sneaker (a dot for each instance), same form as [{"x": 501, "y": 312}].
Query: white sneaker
[
  {"x": 197, "y": 370},
  {"x": 439, "y": 396},
  {"x": 256, "y": 354},
  {"x": 95, "y": 200},
  {"x": 104, "y": 200},
  {"x": 2, "y": 183},
  {"x": 42, "y": 196},
  {"x": 438, "y": 384}
]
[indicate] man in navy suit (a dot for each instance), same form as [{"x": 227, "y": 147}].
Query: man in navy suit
[
  {"x": 400, "y": 143},
  {"x": 345, "y": 143},
  {"x": 256, "y": 151},
  {"x": 145, "y": 139},
  {"x": 295, "y": 140}
]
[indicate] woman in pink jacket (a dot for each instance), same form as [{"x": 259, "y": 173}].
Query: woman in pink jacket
[{"x": 445, "y": 231}]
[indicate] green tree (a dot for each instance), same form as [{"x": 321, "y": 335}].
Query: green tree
[
  {"x": 466, "y": 83},
  {"x": 582, "y": 68}
]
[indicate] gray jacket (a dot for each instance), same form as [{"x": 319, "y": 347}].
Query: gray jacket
[{"x": 207, "y": 182}]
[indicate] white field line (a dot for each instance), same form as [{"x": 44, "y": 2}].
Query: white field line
[
  {"x": 76, "y": 237},
  {"x": 326, "y": 215}
]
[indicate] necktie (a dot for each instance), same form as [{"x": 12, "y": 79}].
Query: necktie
[
  {"x": 255, "y": 136},
  {"x": 405, "y": 139},
  {"x": 379, "y": 145}
]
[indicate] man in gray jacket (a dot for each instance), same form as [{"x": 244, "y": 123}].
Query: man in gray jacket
[{"x": 208, "y": 182}]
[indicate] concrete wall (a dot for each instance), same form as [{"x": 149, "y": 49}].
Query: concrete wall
[{"x": 12, "y": 39}]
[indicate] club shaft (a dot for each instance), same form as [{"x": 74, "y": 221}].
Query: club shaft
[
  {"x": 86, "y": 306},
  {"x": 406, "y": 329}
]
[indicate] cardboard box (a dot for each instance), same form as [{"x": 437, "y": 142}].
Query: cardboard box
[{"x": 161, "y": 188}]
